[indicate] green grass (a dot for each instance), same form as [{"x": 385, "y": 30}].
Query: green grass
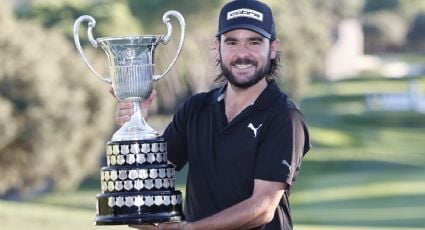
[
  {"x": 366, "y": 170},
  {"x": 44, "y": 216}
]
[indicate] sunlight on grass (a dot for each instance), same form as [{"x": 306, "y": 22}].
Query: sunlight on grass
[
  {"x": 387, "y": 144},
  {"x": 353, "y": 108},
  {"x": 336, "y": 227},
  {"x": 81, "y": 199},
  {"x": 374, "y": 189},
  {"x": 359, "y": 87},
  {"x": 364, "y": 214},
  {"x": 329, "y": 137},
  {"x": 366, "y": 154},
  {"x": 41, "y": 217}
]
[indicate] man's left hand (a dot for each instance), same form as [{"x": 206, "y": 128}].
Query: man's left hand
[{"x": 167, "y": 226}]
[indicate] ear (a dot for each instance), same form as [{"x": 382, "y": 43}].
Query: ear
[
  {"x": 274, "y": 47},
  {"x": 217, "y": 49},
  {"x": 217, "y": 44}
]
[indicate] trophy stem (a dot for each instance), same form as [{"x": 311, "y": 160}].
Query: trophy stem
[{"x": 136, "y": 128}]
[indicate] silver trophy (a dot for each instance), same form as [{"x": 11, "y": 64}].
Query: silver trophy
[
  {"x": 132, "y": 74},
  {"x": 131, "y": 195}
]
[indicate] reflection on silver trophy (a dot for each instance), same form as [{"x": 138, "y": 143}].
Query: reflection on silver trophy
[
  {"x": 131, "y": 62},
  {"x": 138, "y": 183}
]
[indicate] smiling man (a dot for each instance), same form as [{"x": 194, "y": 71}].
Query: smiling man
[{"x": 243, "y": 142}]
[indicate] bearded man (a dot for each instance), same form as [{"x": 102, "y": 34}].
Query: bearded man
[{"x": 243, "y": 142}]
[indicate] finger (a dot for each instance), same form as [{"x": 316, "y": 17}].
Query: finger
[
  {"x": 149, "y": 100},
  {"x": 125, "y": 105},
  {"x": 144, "y": 226},
  {"x": 152, "y": 96},
  {"x": 122, "y": 120},
  {"x": 123, "y": 112},
  {"x": 123, "y": 115},
  {"x": 169, "y": 226}
]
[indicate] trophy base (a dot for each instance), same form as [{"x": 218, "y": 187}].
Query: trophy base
[
  {"x": 139, "y": 219},
  {"x": 138, "y": 185},
  {"x": 155, "y": 208}
]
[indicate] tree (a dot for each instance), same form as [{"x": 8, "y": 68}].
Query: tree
[
  {"x": 386, "y": 24},
  {"x": 305, "y": 37},
  {"x": 303, "y": 29},
  {"x": 416, "y": 34},
  {"x": 54, "y": 118},
  {"x": 384, "y": 31},
  {"x": 378, "y": 5}
]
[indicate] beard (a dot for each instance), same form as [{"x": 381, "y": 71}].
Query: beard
[{"x": 259, "y": 74}]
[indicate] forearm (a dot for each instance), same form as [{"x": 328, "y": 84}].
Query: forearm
[
  {"x": 240, "y": 216},
  {"x": 249, "y": 213}
]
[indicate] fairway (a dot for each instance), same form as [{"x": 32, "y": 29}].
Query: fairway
[
  {"x": 365, "y": 171},
  {"x": 367, "y": 168}
]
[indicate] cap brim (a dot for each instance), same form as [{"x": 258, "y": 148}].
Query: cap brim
[{"x": 245, "y": 26}]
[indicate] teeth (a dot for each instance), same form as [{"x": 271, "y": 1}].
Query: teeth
[{"x": 241, "y": 66}]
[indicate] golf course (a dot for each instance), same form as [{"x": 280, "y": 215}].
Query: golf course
[{"x": 366, "y": 170}]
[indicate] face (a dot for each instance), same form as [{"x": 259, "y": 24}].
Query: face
[{"x": 245, "y": 57}]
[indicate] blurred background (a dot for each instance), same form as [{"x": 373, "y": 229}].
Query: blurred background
[{"x": 355, "y": 67}]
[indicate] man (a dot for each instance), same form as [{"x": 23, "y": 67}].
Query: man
[{"x": 244, "y": 142}]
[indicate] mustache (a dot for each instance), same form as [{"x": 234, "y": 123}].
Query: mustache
[{"x": 244, "y": 61}]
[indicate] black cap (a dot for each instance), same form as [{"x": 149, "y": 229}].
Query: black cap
[{"x": 247, "y": 14}]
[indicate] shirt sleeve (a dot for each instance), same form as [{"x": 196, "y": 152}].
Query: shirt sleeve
[
  {"x": 283, "y": 145},
  {"x": 175, "y": 135}
]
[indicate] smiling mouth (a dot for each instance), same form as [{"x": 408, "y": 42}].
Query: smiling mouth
[{"x": 243, "y": 66}]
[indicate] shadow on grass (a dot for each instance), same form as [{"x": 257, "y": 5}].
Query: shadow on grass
[{"x": 372, "y": 202}]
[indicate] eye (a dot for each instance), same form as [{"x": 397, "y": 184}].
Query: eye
[
  {"x": 256, "y": 43},
  {"x": 231, "y": 43}
]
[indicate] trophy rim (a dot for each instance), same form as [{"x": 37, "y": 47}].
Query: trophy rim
[{"x": 131, "y": 37}]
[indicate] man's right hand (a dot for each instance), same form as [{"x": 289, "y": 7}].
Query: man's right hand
[
  {"x": 126, "y": 108},
  {"x": 124, "y": 111}
]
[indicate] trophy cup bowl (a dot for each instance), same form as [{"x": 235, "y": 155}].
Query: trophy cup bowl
[
  {"x": 132, "y": 78},
  {"x": 138, "y": 183},
  {"x": 132, "y": 75}
]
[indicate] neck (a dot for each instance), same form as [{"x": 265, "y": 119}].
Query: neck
[{"x": 237, "y": 99}]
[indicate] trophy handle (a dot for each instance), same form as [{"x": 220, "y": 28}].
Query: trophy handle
[
  {"x": 165, "y": 39},
  {"x": 91, "y": 25}
]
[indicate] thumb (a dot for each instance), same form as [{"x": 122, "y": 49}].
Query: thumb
[{"x": 111, "y": 91}]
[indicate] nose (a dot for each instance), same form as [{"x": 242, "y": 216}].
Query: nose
[{"x": 242, "y": 51}]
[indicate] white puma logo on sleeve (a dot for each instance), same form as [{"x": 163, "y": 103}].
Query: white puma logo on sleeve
[{"x": 284, "y": 162}]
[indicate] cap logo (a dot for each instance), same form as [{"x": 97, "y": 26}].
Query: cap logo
[{"x": 245, "y": 13}]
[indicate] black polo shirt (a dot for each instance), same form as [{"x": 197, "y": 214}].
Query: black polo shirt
[{"x": 265, "y": 141}]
